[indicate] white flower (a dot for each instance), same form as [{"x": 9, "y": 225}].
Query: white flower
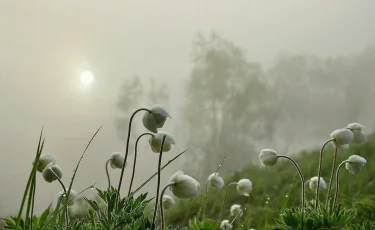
[
  {"x": 117, "y": 160},
  {"x": 225, "y": 224},
  {"x": 342, "y": 137},
  {"x": 48, "y": 175},
  {"x": 184, "y": 186},
  {"x": 357, "y": 129},
  {"x": 268, "y": 157},
  {"x": 216, "y": 180},
  {"x": 168, "y": 201},
  {"x": 235, "y": 210},
  {"x": 156, "y": 119},
  {"x": 66, "y": 199},
  {"x": 355, "y": 164},
  {"x": 156, "y": 141},
  {"x": 244, "y": 187},
  {"x": 313, "y": 183},
  {"x": 44, "y": 160}
]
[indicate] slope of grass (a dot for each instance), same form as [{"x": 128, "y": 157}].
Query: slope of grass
[{"x": 278, "y": 187}]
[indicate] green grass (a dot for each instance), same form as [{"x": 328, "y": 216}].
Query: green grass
[{"x": 281, "y": 187}]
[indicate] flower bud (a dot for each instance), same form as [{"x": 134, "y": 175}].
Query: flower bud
[
  {"x": 156, "y": 119},
  {"x": 117, "y": 160},
  {"x": 268, "y": 157},
  {"x": 357, "y": 129},
  {"x": 216, "y": 181},
  {"x": 313, "y": 183},
  {"x": 342, "y": 137},
  {"x": 65, "y": 199},
  {"x": 44, "y": 160},
  {"x": 235, "y": 210},
  {"x": 156, "y": 141},
  {"x": 48, "y": 175},
  {"x": 168, "y": 202},
  {"x": 355, "y": 164},
  {"x": 183, "y": 186},
  {"x": 244, "y": 187},
  {"x": 225, "y": 224}
]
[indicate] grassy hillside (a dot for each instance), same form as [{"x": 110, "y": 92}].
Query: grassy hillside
[{"x": 278, "y": 187}]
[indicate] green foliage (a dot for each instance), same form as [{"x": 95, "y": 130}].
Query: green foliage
[
  {"x": 366, "y": 225},
  {"x": 25, "y": 224},
  {"x": 206, "y": 224}
]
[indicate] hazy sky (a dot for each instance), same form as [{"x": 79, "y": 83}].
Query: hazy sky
[{"x": 45, "y": 45}]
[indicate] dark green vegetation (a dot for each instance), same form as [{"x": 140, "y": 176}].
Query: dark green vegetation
[{"x": 277, "y": 188}]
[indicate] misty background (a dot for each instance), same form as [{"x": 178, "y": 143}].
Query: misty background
[{"x": 236, "y": 76}]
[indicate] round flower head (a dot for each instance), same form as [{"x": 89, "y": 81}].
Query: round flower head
[
  {"x": 49, "y": 176},
  {"x": 66, "y": 199},
  {"x": 156, "y": 141},
  {"x": 168, "y": 201},
  {"x": 357, "y": 129},
  {"x": 244, "y": 187},
  {"x": 342, "y": 137},
  {"x": 117, "y": 160},
  {"x": 184, "y": 186},
  {"x": 313, "y": 183},
  {"x": 235, "y": 210},
  {"x": 215, "y": 180},
  {"x": 268, "y": 157},
  {"x": 355, "y": 164},
  {"x": 225, "y": 224},
  {"x": 45, "y": 160},
  {"x": 156, "y": 119}
]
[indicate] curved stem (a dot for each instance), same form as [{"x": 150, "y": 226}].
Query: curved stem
[
  {"x": 127, "y": 150},
  {"x": 225, "y": 198},
  {"x": 135, "y": 160},
  {"x": 332, "y": 174},
  {"x": 337, "y": 182},
  {"x": 158, "y": 185},
  {"x": 161, "y": 204},
  {"x": 319, "y": 172},
  {"x": 302, "y": 182},
  {"x": 64, "y": 188},
  {"x": 106, "y": 170}
]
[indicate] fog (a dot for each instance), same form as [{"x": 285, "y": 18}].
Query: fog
[{"x": 45, "y": 45}]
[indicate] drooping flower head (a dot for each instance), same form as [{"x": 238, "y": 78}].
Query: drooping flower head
[
  {"x": 44, "y": 160},
  {"x": 49, "y": 176},
  {"x": 156, "y": 140},
  {"x": 66, "y": 199},
  {"x": 357, "y": 129},
  {"x": 225, "y": 224},
  {"x": 215, "y": 180},
  {"x": 235, "y": 210},
  {"x": 184, "y": 186},
  {"x": 342, "y": 137},
  {"x": 313, "y": 183},
  {"x": 156, "y": 119},
  {"x": 244, "y": 187},
  {"x": 268, "y": 157},
  {"x": 355, "y": 164},
  {"x": 117, "y": 160},
  {"x": 168, "y": 202}
]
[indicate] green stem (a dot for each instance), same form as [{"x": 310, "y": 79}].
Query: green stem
[
  {"x": 319, "y": 172},
  {"x": 337, "y": 182},
  {"x": 303, "y": 184},
  {"x": 225, "y": 198},
  {"x": 64, "y": 188},
  {"x": 127, "y": 151},
  {"x": 32, "y": 204},
  {"x": 332, "y": 175},
  {"x": 161, "y": 205},
  {"x": 135, "y": 159},
  {"x": 158, "y": 184},
  {"x": 106, "y": 170}
]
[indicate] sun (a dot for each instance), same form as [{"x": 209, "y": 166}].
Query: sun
[{"x": 86, "y": 78}]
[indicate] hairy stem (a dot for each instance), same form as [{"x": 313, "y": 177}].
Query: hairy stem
[
  {"x": 158, "y": 184},
  {"x": 225, "y": 198},
  {"x": 319, "y": 172},
  {"x": 302, "y": 182},
  {"x": 332, "y": 175},
  {"x": 106, "y": 170},
  {"x": 161, "y": 205},
  {"x": 127, "y": 150},
  {"x": 337, "y": 182},
  {"x": 135, "y": 159}
]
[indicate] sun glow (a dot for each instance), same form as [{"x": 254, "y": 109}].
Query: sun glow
[{"x": 86, "y": 78}]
